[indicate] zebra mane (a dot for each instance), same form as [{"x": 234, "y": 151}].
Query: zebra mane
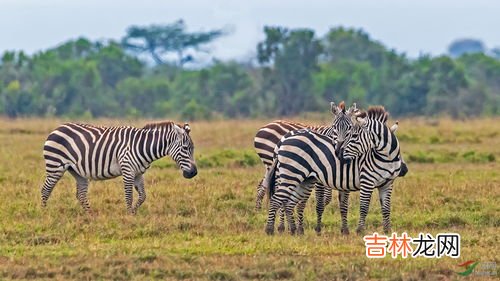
[
  {"x": 378, "y": 113},
  {"x": 158, "y": 125}
]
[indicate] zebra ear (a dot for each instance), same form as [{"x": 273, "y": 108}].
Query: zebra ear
[
  {"x": 353, "y": 109},
  {"x": 179, "y": 131},
  {"x": 334, "y": 108},
  {"x": 395, "y": 127},
  {"x": 187, "y": 128}
]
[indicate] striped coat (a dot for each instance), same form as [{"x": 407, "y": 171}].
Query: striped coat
[
  {"x": 100, "y": 153},
  {"x": 308, "y": 156},
  {"x": 270, "y": 135}
]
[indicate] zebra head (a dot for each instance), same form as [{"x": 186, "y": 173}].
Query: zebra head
[
  {"x": 360, "y": 140},
  {"x": 342, "y": 124},
  {"x": 182, "y": 151},
  {"x": 371, "y": 133}
]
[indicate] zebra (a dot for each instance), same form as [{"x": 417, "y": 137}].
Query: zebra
[
  {"x": 372, "y": 160},
  {"x": 100, "y": 153},
  {"x": 343, "y": 196},
  {"x": 269, "y": 135}
]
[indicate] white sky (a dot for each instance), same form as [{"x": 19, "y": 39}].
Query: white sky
[{"x": 413, "y": 27}]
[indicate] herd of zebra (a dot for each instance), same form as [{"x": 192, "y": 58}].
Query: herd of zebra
[{"x": 357, "y": 152}]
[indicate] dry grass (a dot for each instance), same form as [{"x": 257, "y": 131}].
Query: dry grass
[{"x": 206, "y": 228}]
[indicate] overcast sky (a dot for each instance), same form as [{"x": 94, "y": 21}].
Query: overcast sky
[{"x": 413, "y": 27}]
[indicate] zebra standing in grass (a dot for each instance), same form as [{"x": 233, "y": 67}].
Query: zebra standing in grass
[
  {"x": 99, "y": 153},
  {"x": 270, "y": 135},
  {"x": 374, "y": 162}
]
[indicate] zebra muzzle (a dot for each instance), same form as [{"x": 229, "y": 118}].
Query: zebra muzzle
[{"x": 191, "y": 173}]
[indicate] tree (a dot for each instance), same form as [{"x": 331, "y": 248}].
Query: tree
[
  {"x": 144, "y": 97},
  {"x": 368, "y": 70},
  {"x": 483, "y": 72},
  {"x": 115, "y": 64},
  {"x": 465, "y": 46},
  {"x": 297, "y": 72},
  {"x": 160, "y": 40},
  {"x": 343, "y": 81},
  {"x": 433, "y": 86},
  {"x": 293, "y": 56},
  {"x": 495, "y": 52},
  {"x": 342, "y": 44},
  {"x": 75, "y": 49},
  {"x": 229, "y": 90}
]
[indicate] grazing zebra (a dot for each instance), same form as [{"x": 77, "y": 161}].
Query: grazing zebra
[
  {"x": 99, "y": 153},
  {"x": 374, "y": 161},
  {"x": 270, "y": 135}
]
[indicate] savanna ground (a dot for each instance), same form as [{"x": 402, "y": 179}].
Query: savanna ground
[{"x": 207, "y": 228}]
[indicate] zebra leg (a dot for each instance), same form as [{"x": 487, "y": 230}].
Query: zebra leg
[
  {"x": 289, "y": 215},
  {"x": 364, "y": 204},
  {"x": 82, "y": 187},
  {"x": 385, "y": 203},
  {"x": 139, "y": 186},
  {"x": 281, "y": 225},
  {"x": 50, "y": 181},
  {"x": 128, "y": 182},
  {"x": 320, "y": 206},
  {"x": 344, "y": 205},
  {"x": 261, "y": 191},
  {"x": 300, "y": 214},
  {"x": 301, "y": 204},
  {"x": 327, "y": 196},
  {"x": 274, "y": 205}
]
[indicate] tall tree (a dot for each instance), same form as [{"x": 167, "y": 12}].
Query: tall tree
[
  {"x": 353, "y": 45},
  {"x": 160, "y": 40},
  {"x": 115, "y": 64},
  {"x": 369, "y": 68},
  {"x": 290, "y": 58}
]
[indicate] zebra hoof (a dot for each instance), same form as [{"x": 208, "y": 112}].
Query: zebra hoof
[
  {"x": 387, "y": 231},
  {"x": 269, "y": 230},
  {"x": 90, "y": 213},
  {"x": 344, "y": 231},
  {"x": 318, "y": 229},
  {"x": 293, "y": 230},
  {"x": 300, "y": 231},
  {"x": 281, "y": 228},
  {"x": 360, "y": 231},
  {"x": 135, "y": 210}
]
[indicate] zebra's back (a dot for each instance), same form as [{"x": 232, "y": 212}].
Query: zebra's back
[
  {"x": 90, "y": 151},
  {"x": 269, "y": 135}
]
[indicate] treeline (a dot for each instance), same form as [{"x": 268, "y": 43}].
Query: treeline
[{"x": 294, "y": 71}]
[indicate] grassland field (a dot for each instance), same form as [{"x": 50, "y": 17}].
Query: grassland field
[{"x": 206, "y": 228}]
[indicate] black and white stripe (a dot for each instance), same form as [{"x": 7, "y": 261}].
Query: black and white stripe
[
  {"x": 99, "y": 153},
  {"x": 270, "y": 135},
  {"x": 377, "y": 148},
  {"x": 310, "y": 157}
]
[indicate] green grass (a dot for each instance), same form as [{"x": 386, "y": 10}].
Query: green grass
[{"x": 206, "y": 228}]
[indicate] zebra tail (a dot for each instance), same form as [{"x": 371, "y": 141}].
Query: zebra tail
[{"x": 270, "y": 179}]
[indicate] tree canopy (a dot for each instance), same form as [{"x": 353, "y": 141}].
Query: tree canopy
[
  {"x": 297, "y": 71},
  {"x": 160, "y": 40}
]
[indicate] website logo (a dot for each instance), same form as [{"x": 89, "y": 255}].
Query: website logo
[{"x": 469, "y": 267}]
